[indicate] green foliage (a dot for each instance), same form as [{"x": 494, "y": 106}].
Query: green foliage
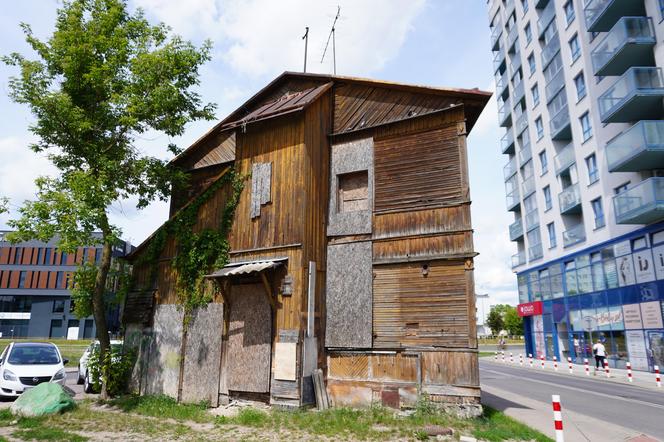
[
  {"x": 251, "y": 417},
  {"x": 496, "y": 426},
  {"x": 46, "y": 433},
  {"x": 495, "y": 321},
  {"x": 513, "y": 322},
  {"x": 83, "y": 286},
  {"x": 163, "y": 407},
  {"x": 121, "y": 364}
]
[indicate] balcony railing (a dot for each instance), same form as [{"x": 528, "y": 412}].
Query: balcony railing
[
  {"x": 505, "y": 114},
  {"x": 502, "y": 82},
  {"x": 507, "y": 142},
  {"x": 639, "y": 148},
  {"x": 642, "y": 204},
  {"x": 555, "y": 85},
  {"x": 550, "y": 50},
  {"x": 601, "y": 15},
  {"x": 525, "y": 154},
  {"x": 539, "y": 4},
  {"x": 560, "y": 125},
  {"x": 564, "y": 159},
  {"x": 546, "y": 17},
  {"x": 496, "y": 32},
  {"x": 509, "y": 7},
  {"x": 629, "y": 43},
  {"x": 510, "y": 169},
  {"x": 498, "y": 58},
  {"x": 515, "y": 63},
  {"x": 516, "y": 230},
  {"x": 535, "y": 251},
  {"x": 574, "y": 235},
  {"x": 512, "y": 36},
  {"x": 518, "y": 259},
  {"x": 532, "y": 220},
  {"x": 528, "y": 187},
  {"x": 519, "y": 93},
  {"x": 513, "y": 200},
  {"x": 637, "y": 95},
  {"x": 569, "y": 200},
  {"x": 521, "y": 121}
]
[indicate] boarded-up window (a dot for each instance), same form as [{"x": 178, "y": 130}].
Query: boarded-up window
[
  {"x": 261, "y": 178},
  {"x": 417, "y": 170},
  {"x": 353, "y": 191}
]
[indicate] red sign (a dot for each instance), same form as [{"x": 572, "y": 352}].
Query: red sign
[{"x": 529, "y": 308}]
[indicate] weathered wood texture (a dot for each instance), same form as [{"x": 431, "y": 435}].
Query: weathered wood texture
[
  {"x": 413, "y": 308},
  {"x": 450, "y": 368}
]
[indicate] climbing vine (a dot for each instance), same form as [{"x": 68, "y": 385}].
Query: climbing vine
[{"x": 197, "y": 253}]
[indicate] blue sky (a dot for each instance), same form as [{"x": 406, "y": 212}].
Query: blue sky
[{"x": 434, "y": 42}]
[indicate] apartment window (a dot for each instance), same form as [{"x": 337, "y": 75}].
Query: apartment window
[
  {"x": 621, "y": 188},
  {"x": 529, "y": 33},
  {"x": 586, "y": 126},
  {"x": 17, "y": 255},
  {"x": 661, "y": 9},
  {"x": 531, "y": 63},
  {"x": 58, "y": 280},
  {"x": 548, "y": 202},
  {"x": 575, "y": 47},
  {"x": 539, "y": 127},
  {"x": 21, "y": 280},
  {"x": 544, "y": 162},
  {"x": 569, "y": 12},
  {"x": 59, "y": 306},
  {"x": 593, "y": 173},
  {"x": 524, "y": 5},
  {"x": 535, "y": 93},
  {"x": 63, "y": 258},
  {"x": 580, "y": 83},
  {"x": 552, "y": 234},
  {"x": 598, "y": 211},
  {"x": 47, "y": 256}
]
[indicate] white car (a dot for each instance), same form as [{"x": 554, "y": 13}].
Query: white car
[
  {"x": 83, "y": 372},
  {"x": 26, "y": 364}
]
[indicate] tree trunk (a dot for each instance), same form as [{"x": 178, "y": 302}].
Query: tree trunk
[{"x": 99, "y": 309}]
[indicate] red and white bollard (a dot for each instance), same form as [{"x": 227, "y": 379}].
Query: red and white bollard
[
  {"x": 585, "y": 363},
  {"x": 503, "y": 353},
  {"x": 530, "y": 358},
  {"x": 629, "y": 372},
  {"x": 657, "y": 378},
  {"x": 569, "y": 364},
  {"x": 521, "y": 360},
  {"x": 606, "y": 368},
  {"x": 558, "y": 418},
  {"x": 511, "y": 358},
  {"x": 495, "y": 355},
  {"x": 542, "y": 360},
  {"x": 555, "y": 363}
]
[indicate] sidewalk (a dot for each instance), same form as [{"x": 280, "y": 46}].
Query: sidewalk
[{"x": 616, "y": 375}]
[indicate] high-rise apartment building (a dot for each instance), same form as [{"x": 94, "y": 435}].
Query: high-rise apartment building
[{"x": 580, "y": 95}]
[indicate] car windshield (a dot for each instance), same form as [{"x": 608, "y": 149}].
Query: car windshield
[{"x": 34, "y": 355}]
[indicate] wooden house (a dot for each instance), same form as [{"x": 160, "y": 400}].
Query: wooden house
[{"x": 351, "y": 250}]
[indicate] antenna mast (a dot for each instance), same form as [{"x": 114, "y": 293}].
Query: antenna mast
[
  {"x": 334, "y": 48},
  {"x": 305, "y": 37}
]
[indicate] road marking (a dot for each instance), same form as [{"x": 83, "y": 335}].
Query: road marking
[{"x": 649, "y": 404}]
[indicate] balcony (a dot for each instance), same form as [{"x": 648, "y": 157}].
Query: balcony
[
  {"x": 528, "y": 188},
  {"x": 513, "y": 201},
  {"x": 516, "y": 230},
  {"x": 535, "y": 252},
  {"x": 642, "y": 204},
  {"x": 512, "y": 36},
  {"x": 560, "y": 126},
  {"x": 519, "y": 93},
  {"x": 507, "y": 142},
  {"x": 515, "y": 63},
  {"x": 509, "y": 7},
  {"x": 570, "y": 200},
  {"x": 518, "y": 259},
  {"x": 498, "y": 58},
  {"x": 532, "y": 220},
  {"x": 525, "y": 154},
  {"x": 641, "y": 147},
  {"x": 501, "y": 83},
  {"x": 510, "y": 169},
  {"x": 546, "y": 17},
  {"x": 550, "y": 50},
  {"x": 539, "y": 4},
  {"x": 521, "y": 122},
  {"x": 629, "y": 43},
  {"x": 601, "y": 15},
  {"x": 574, "y": 235},
  {"x": 496, "y": 32},
  {"x": 637, "y": 95},
  {"x": 565, "y": 159},
  {"x": 555, "y": 85},
  {"x": 505, "y": 114}
]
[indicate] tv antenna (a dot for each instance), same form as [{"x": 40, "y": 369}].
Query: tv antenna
[
  {"x": 305, "y": 37},
  {"x": 334, "y": 49}
]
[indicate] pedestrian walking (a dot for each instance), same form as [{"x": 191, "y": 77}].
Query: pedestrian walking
[{"x": 600, "y": 354}]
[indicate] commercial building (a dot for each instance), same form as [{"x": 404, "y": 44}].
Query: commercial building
[
  {"x": 580, "y": 88},
  {"x": 35, "y": 301}
]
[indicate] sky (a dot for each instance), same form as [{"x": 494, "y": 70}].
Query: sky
[{"x": 440, "y": 43}]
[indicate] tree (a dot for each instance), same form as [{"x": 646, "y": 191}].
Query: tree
[
  {"x": 513, "y": 322},
  {"x": 495, "y": 321},
  {"x": 104, "y": 77}
]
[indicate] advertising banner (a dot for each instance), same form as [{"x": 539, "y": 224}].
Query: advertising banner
[
  {"x": 636, "y": 347},
  {"x": 625, "y": 271},
  {"x": 658, "y": 259},
  {"x": 644, "y": 266},
  {"x": 529, "y": 309},
  {"x": 651, "y": 313},
  {"x": 632, "y": 316}
]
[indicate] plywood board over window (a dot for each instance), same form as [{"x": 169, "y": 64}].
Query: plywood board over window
[{"x": 353, "y": 191}]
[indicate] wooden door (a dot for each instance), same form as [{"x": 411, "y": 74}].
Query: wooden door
[{"x": 249, "y": 340}]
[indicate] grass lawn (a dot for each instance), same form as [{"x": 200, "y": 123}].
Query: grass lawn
[
  {"x": 161, "y": 418},
  {"x": 72, "y": 350}
]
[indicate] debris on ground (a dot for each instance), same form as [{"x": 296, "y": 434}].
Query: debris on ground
[{"x": 235, "y": 405}]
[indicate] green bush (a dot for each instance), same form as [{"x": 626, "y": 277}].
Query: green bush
[{"x": 121, "y": 366}]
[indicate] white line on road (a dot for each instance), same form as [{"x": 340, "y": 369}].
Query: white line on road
[{"x": 635, "y": 401}]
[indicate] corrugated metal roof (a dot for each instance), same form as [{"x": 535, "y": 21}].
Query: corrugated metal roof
[{"x": 244, "y": 269}]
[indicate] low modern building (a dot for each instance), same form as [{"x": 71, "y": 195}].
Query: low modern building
[
  {"x": 35, "y": 301},
  {"x": 580, "y": 95}
]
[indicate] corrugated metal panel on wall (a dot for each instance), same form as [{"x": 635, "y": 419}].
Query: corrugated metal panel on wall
[
  {"x": 412, "y": 309},
  {"x": 417, "y": 170}
]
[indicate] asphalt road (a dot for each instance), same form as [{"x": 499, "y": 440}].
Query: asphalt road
[{"x": 628, "y": 406}]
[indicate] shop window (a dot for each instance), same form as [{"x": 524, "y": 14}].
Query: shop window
[
  {"x": 570, "y": 278},
  {"x": 639, "y": 243},
  {"x": 353, "y": 192}
]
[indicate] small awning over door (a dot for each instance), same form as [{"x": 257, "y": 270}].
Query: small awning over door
[{"x": 244, "y": 268}]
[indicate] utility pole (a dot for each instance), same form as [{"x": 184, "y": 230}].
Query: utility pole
[{"x": 305, "y": 37}]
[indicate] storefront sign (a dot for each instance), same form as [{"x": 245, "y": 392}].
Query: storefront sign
[
  {"x": 651, "y": 312},
  {"x": 530, "y": 308},
  {"x": 609, "y": 317},
  {"x": 636, "y": 347},
  {"x": 625, "y": 271},
  {"x": 658, "y": 255},
  {"x": 632, "y": 316},
  {"x": 644, "y": 266}
]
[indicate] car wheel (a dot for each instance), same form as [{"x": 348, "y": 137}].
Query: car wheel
[
  {"x": 79, "y": 378},
  {"x": 87, "y": 385}
]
